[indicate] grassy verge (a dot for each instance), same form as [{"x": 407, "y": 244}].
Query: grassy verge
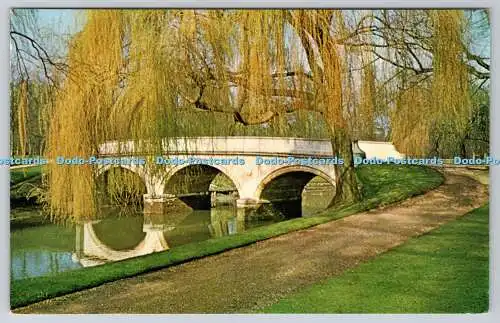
[
  {"x": 382, "y": 185},
  {"x": 444, "y": 271},
  {"x": 25, "y": 217},
  {"x": 22, "y": 181},
  {"x": 18, "y": 175}
]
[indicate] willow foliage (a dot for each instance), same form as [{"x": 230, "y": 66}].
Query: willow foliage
[
  {"x": 427, "y": 111},
  {"x": 411, "y": 121},
  {"x": 450, "y": 75},
  {"x": 147, "y": 75},
  {"x": 22, "y": 108},
  {"x": 367, "y": 102},
  {"x": 133, "y": 73},
  {"x": 81, "y": 115}
]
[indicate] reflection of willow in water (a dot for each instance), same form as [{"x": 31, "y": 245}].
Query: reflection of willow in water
[
  {"x": 41, "y": 250},
  {"x": 34, "y": 263},
  {"x": 226, "y": 221}
]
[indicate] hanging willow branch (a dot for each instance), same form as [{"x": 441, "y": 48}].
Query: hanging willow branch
[
  {"x": 22, "y": 113},
  {"x": 427, "y": 107}
]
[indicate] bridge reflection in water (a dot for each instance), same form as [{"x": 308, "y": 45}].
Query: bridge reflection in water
[
  {"x": 159, "y": 232},
  {"x": 51, "y": 249}
]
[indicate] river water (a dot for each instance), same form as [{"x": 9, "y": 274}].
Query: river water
[{"x": 50, "y": 249}]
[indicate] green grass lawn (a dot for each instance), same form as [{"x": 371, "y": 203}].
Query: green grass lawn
[
  {"x": 383, "y": 184},
  {"x": 18, "y": 175},
  {"x": 22, "y": 182},
  {"x": 444, "y": 271}
]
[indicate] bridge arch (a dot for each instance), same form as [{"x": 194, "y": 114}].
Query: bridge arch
[
  {"x": 186, "y": 181},
  {"x": 137, "y": 173},
  {"x": 282, "y": 191},
  {"x": 289, "y": 170},
  {"x": 135, "y": 169},
  {"x": 226, "y": 171}
]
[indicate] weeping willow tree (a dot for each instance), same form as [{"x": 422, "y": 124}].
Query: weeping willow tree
[
  {"x": 22, "y": 115},
  {"x": 411, "y": 121},
  {"x": 451, "y": 77},
  {"x": 134, "y": 80},
  {"x": 29, "y": 117},
  {"x": 82, "y": 107},
  {"x": 433, "y": 110},
  {"x": 142, "y": 75},
  {"x": 367, "y": 104},
  {"x": 32, "y": 82}
]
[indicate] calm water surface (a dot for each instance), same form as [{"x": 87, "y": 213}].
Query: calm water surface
[{"x": 51, "y": 249}]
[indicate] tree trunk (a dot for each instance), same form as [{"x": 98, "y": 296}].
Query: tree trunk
[
  {"x": 346, "y": 189},
  {"x": 463, "y": 149}
]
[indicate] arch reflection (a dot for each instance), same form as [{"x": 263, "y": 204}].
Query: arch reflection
[{"x": 161, "y": 232}]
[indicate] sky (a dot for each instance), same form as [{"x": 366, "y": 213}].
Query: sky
[
  {"x": 64, "y": 22},
  {"x": 68, "y": 21},
  {"x": 57, "y": 26},
  {"x": 65, "y": 18}
]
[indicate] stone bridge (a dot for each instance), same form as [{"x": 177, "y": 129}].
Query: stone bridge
[{"x": 254, "y": 165}]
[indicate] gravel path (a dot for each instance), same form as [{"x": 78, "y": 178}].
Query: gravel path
[{"x": 248, "y": 278}]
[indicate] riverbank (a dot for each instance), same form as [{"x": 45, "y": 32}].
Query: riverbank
[
  {"x": 445, "y": 271},
  {"x": 22, "y": 181},
  {"x": 24, "y": 209},
  {"x": 26, "y": 216},
  {"x": 247, "y": 279},
  {"x": 383, "y": 185}
]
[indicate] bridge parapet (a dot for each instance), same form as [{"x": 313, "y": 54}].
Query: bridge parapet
[{"x": 265, "y": 146}]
